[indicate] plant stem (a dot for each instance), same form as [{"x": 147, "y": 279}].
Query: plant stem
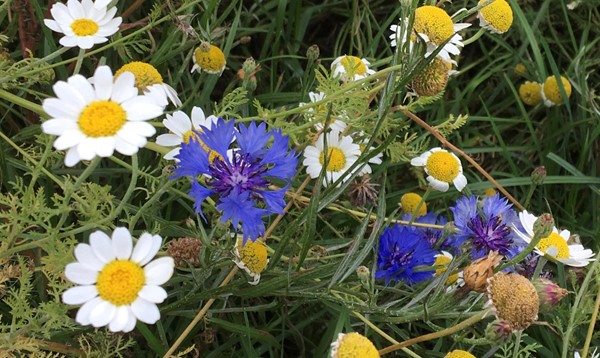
[
  {"x": 80, "y": 57},
  {"x": 474, "y": 37},
  {"x": 426, "y": 337},
  {"x": 22, "y": 102},
  {"x": 517, "y": 344},
  {"x": 590, "y": 332}
]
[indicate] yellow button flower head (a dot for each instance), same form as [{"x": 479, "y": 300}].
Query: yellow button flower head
[
  {"x": 209, "y": 58},
  {"x": 520, "y": 69},
  {"x": 496, "y": 16},
  {"x": 443, "y": 260},
  {"x": 551, "y": 92},
  {"x": 353, "y": 345},
  {"x": 531, "y": 93},
  {"x": 459, "y": 354},
  {"x": 150, "y": 82},
  {"x": 433, "y": 78},
  {"x": 252, "y": 258},
  {"x": 513, "y": 299},
  {"x": 409, "y": 203},
  {"x": 442, "y": 168},
  {"x": 434, "y": 26}
]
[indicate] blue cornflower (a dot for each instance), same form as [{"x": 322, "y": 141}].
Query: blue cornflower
[
  {"x": 433, "y": 235},
  {"x": 239, "y": 166},
  {"x": 401, "y": 251},
  {"x": 487, "y": 224}
]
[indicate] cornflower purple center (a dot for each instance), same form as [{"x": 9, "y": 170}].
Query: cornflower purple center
[
  {"x": 400, "y": 258},
  {"x": 491, "y": 234},
  {"x": 241, "y": 174}
]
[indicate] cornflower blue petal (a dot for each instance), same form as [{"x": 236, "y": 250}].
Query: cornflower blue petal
[
  {"x": 253, "y": 139},
  {"x": 451, "y": 242},
  {"x": 199, "y": 193},
  {"x": 493, "y": 205},
  {"x": 237, "y": 207},
  {"x": 401, "y": 251},
  {"x": 193, "y": 160},
  {"x": 274, "y": 199},
  {"x": 219, "y": 137},
  {"x": 465, "y": 210}
]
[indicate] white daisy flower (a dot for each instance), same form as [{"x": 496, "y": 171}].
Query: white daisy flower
[
  {"x": 555, "y": 245},
  {"x": 252, "y": 257},
  {"x": 592, "y": 354},
  {"x": 351, "y": 68},
  {"x": 97, "y": 119},
  {"x": 442, "y": 168},
  {"x": 117, "y": 283},
  {"x": 434, "y": 26},
  {"x": 320, "y": 112},
  {"x": 150, "y": 82},
  {"x": 83, "y": 23},
  {"x": 341, "y": 154},
  {"x": 182, "y": 129}
]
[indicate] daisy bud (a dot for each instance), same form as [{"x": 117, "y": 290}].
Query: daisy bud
[
  {"x": 477, "y": 273},
  {"x": 520, "y": 70},
  {"x": 542, "y": 227},
  {"x": 364, "y": 274},
  {"x": 549, "y": 292},
  {"x": 245, "y": 40},
  {"x": 538, "y": 175},
  {"x": 313, "y": 53},
  {"x": 433, "y": 78},
  {"x": 499, "y": 331}
]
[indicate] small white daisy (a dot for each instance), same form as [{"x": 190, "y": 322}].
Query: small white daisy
[
  {"x": 182, "y": 129},
  {"x": 346, "y": 66},
  {"x": 84, "y": 23},
  {"x": 434, "y": 26},
  {"x": 150, "y": 82},
  {"x": 556, "y": 244},
  {"x": 95, "y": 120},
  {"x": 341, "y": 154},
  {"x": 117, "y": 283},
  {"x": 252, "y": 257},
  {"x": 442, "y": 168},
  {"x": 320, "y": 112}
]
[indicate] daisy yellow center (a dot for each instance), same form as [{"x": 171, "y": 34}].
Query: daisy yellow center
[
  {"x": 514, "y": 299},
  {"x": 102, "y": 119},
  {"x": 443, "y": 261},
  {"x": 84, "y": 27},
  {"x": 410, "y": 201},
  {"x": 459, "y": 354},
  {"x": 497, "y": 14},
  {"x": 354, "y": 64},
  {"x": 336, "y": 160},
  {"x": 120, "y": 281},
  {"x": 145, "y": 74},
  {"x": 433, "y": 78},
  {"x": 210, "y": 59},
  {"x": 253, "y": 255},
  {"x": 433, "y": 22},
  {"x": 555, "y": 240},
  {"x": 530, "y": 93},
  {"x": 490, "y": 192},
  {"x": 552, "y": 91},
  {"x": 443, "y": 166},
  {"x": 356, "y": 345},
  {"x": 189, "y": 136}
]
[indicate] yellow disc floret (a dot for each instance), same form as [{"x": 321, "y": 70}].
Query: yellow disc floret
[
  {"x": 433, "y": 22},
  {"x": 514, "y": 299},
  {"x": 552, "y": 92},
  {"x": 520, "y": 69},
  {"x": 433, "y": 78},
  {"x": 496, "y": 16},
  {"x": 145, "y": 74},
  {"x": 253, "y": 255},
  {"x": 459, "y": 354},
  {"x": 354, "y": 65},
  {"x": 84, "y": 27},
  {"x": 209, "y": 58},
  {"x": 531, "y": 93},
  {"x": 443, "y": 166},
  {"x": 409, "y": 203},
  {"x": 102, "y": 119},
  {"x": 120, "y": 281},
  {"x": 353, "y": 345},
  {"x": 442, "y": 261},
  {"x": 556, "y": 241},
  {"x": 336, "y": 160}
]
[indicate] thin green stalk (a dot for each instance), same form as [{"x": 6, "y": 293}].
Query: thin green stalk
[
  {"x": 383, "y": 334},
  {"x": 149, "y": 203},
  {"x": 474, "y": 37},
  {"x": 131, "y": 188},
  {"x": 22, "y": 102},
  {"x": 536, "y": 239},
  {"x": 80, "y": 57},
  {"x": 517, "y": 344},
  {"x": 590, "y": 332},
  {"x": 538, "y": 268}
]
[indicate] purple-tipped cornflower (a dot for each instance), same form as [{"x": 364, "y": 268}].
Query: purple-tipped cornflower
[{"x": 239, "y": 166}]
